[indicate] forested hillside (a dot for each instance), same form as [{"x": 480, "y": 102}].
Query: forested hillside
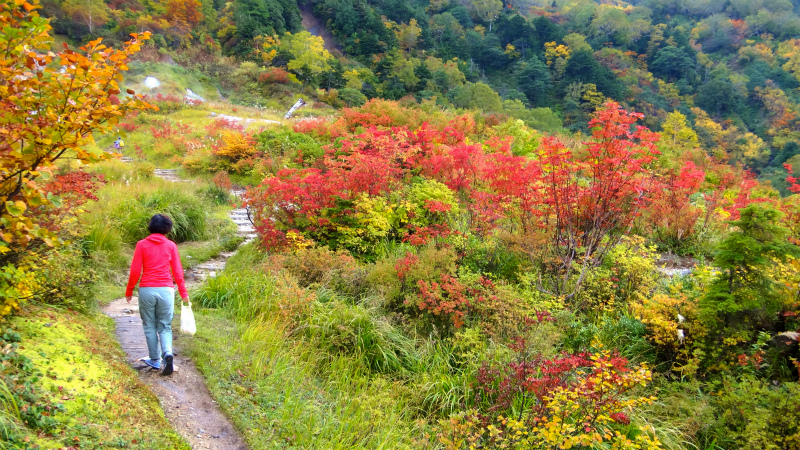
[{"x": 727, "y": 69}]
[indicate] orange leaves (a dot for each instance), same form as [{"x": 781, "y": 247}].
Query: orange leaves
[
  {"x": 235, "y": 145},
  {"x": 51, "y": 104},
  {"x": 184, "y": 14}
]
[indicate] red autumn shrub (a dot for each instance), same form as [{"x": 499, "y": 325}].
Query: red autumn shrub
[{"x": 274, "y": 75}]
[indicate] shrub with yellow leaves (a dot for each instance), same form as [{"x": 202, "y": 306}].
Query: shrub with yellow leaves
[{"x": 571, "y": 401}]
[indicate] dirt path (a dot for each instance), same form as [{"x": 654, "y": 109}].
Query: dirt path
[
  {"x": 183, "y": 395},
  {"x": 186, "y": 401},
  {"x": 243, "y": 121}
]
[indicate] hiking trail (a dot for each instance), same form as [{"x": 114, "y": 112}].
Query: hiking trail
[{"x": 184, "y": 397}]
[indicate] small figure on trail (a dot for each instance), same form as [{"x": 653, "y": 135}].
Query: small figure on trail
[
  {"x": 116, "y": 143},
  {"x": 152, "y": 260}
]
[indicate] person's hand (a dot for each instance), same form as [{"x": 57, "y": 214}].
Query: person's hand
[
  {"x": 128, "y": 298},
  {"x": 185, "y": 300}
]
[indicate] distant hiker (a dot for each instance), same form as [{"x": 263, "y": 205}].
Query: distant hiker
[
  {"x": 116, "y": 143},
  {"x": 121, "y": 143},
  {"x": 152, "y": 260}
]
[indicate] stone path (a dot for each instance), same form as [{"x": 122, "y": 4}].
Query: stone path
[
  {"x": 239, "y": 216},
  {"x": 244, "y": 121}
]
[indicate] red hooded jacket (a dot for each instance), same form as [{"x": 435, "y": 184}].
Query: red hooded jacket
[{"x": 153, "y": 258}]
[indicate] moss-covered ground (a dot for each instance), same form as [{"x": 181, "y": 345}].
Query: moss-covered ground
[{"x": 69, "y": 386}]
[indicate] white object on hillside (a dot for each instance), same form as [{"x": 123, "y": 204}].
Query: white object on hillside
[
  {"x": 298, "y": 104},
  {"x": 152, "y": 82},
  {"x": 192, "y": 96},
  {"x": 674, "y": 272}
]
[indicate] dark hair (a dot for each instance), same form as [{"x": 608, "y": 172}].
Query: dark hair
[{"x": 160, "y": 224}]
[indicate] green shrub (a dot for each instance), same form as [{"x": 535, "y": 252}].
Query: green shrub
[
  {"x": 65, "y": 277},
  {"x": 757, "y": 414},
  {"x": 341, "y": 328},
  {"x": 215, "y": 194},
  {"x": 287, "y": 145},
  {"x": 317, "y": 265},
  {"x": 628, "y": 273},
  {"x": 619, "y": 332},
  {"x": 352, "y": 97},
  {"x": 188, "y": 214},
  {"x": 489, "y": 255},
  {"x": 428, "y": 266}
]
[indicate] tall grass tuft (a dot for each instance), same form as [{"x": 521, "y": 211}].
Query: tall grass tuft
[
  {"x": 187, "y": 212},
  {"x": 246, "y": 292},
  {"x": 345, "y": 329},
  {"x": 440, "y": 389},
  {"x": 9, "y": 414}
]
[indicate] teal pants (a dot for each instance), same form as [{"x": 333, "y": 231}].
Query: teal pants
[{"x": 156, "y": 308}]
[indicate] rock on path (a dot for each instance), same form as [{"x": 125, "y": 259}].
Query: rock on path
[
  {"x": 168, "y": 174},
  {"x": 183, "y": 395}
]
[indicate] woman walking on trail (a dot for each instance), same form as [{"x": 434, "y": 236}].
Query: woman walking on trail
[{"x": 152, "y": 260}]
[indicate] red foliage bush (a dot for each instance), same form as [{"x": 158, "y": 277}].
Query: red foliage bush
[
  {"x": 168, "y": 129},
  {"x": 73, "y": 189},
  {"x": 128, "y": 127},
  {"x": 215, "y": 128},
  {"x": 450, "y": 300},
  {"x": 274, "y": 75}
]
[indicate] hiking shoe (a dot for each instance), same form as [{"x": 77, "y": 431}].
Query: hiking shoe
[
  {"x": 153, "y": 364},
  {"x": 167, "y": 364}
]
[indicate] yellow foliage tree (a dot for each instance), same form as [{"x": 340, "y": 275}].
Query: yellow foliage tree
[
  {"x": 791, "y": 51},
  {"x": 235, "y": 146},
  {"x": 51, "y": 104},
  {"x": 729, "y": 140},
  {"x": 407, "y": 35},
  {"x": 677, "y": 135},
  {"x": 553, "y": 51},
  {"x": 308, "y": 53}
]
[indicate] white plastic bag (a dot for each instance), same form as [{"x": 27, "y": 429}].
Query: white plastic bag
[{"x": 187, "y": 319}]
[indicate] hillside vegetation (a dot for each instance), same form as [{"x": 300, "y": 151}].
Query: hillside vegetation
[
  {"x": 729, "y": 68},
  {"x": 527, "y": 225}
]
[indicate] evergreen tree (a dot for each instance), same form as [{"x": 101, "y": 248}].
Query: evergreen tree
[
  {"x": 743, "y": 296},
  {"x": 534, "y": 82}
]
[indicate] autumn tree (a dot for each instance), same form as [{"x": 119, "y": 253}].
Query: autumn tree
[
  {"x": 591, "y": 197},
  {"x": 487, "y": 10},
  {"x": 677, "y": 137},
  {"x": 407, "y": 35},
  {"x": 52, "y": 103},
  {"x": 184, "y": 14},
  {"x": 308, "y": 53}
]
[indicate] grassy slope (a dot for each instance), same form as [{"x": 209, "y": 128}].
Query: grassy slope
[
  {"x": 105, "y": 405},
  {"x": 270, "y": 387},
  {"x": 174, "y": 80}
]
